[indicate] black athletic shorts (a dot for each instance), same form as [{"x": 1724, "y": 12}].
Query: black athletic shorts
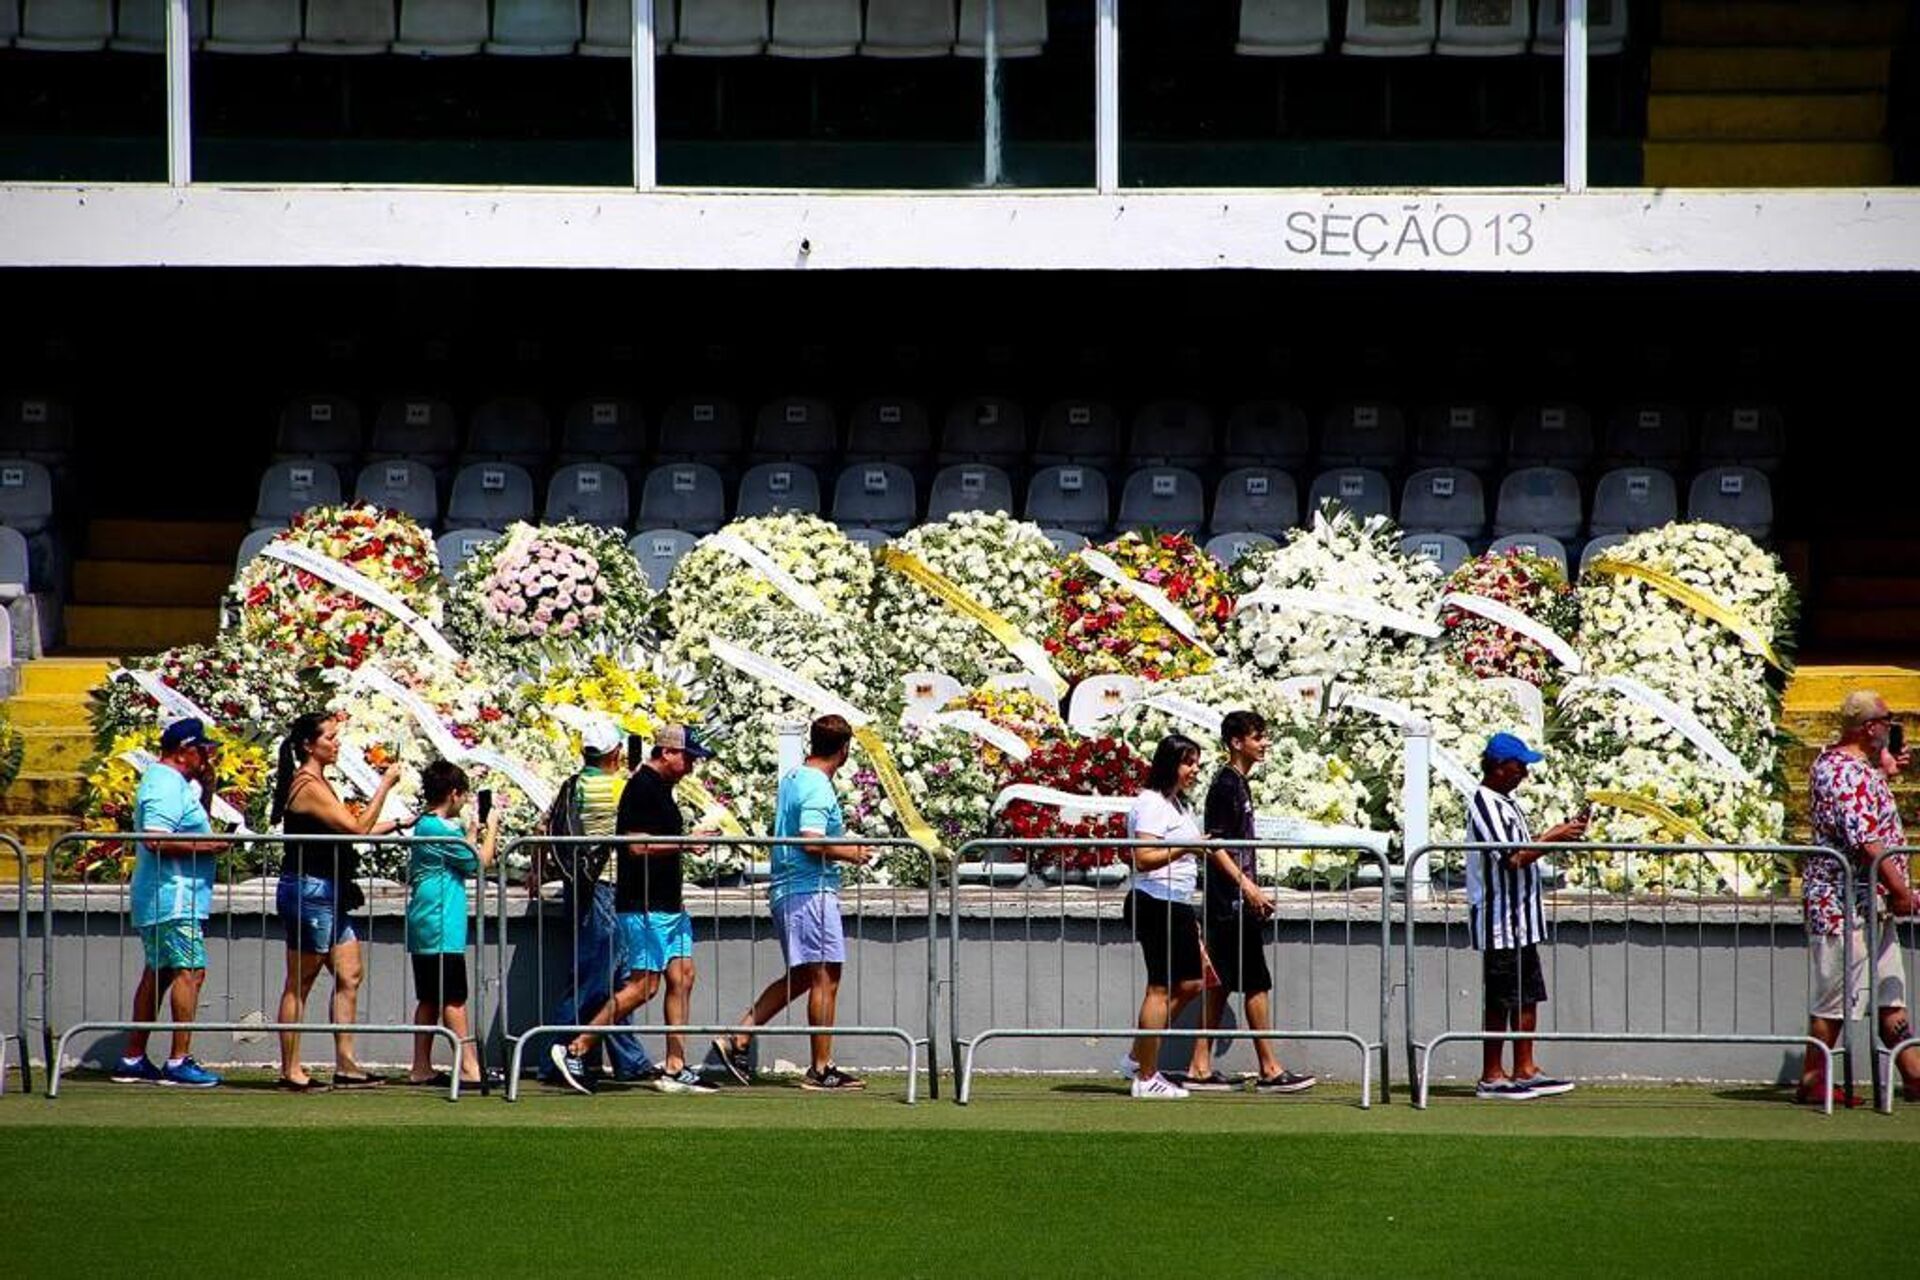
[
  {"x": 1512, "y": 978},
  {"x": 440, "y": 980},
  {"x": 1169, "y": 934},
  {"x": 1234, "y": 944}
]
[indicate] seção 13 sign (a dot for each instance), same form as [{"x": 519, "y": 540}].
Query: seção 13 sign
[{"x": 1408, "y": 235}]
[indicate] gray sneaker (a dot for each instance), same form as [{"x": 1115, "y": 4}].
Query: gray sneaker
[
  {"x": 1285, "y": 1082},
  {"x": 1504, "y": 1091},
  {"x": 736, "y": 1061},
  {"x": 1546, "y": 1086},
  {"x": 1212, "y": 1082},
  {"x": 685, "y": 1080}
]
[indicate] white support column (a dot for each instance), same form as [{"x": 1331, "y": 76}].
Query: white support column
[
  {"x": 646, "y": 117},
  {"x": 793, "y": 745},
  {"x": 1573, "y": 53},
  {"x": 1106, "y": 97},
  {"x": 179, "y": 93},
  {"x": 1416, "y": 813},
  {"x": 992, "y": 166}
]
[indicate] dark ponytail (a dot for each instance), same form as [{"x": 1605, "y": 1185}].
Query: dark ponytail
[{"x": 293, "y": 753}]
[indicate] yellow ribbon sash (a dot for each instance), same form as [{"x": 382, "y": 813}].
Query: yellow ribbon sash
[
  {"x": 1030, "y": 653},
  {"x": 1706, "y": 605},
  {"x": 692, "y": 792},
  {"x": 895, "y": 786},
  {"x": 1640, "y": 806}
]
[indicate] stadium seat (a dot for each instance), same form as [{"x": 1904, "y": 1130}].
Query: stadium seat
[
  {"x": 1654, "y": 435},
  {"x": 1363, "y": 435},
  {"x": 603, "y": 429},
  {"x": 1267, "y": 433},
  {"x": 698, "y": 428},
  {"x": 1082, "y": 431},
  {"x": 348, "y": 27},
  {"x": 251, "y": 544},
  {"x": 1389, "y": 28},
  {"x": 1171, "y": 433},
  {"x": 1227, "y": 548},
  {"x": 26, "y": 495},
  {"x": 512, "y": 429},
  {"x": 1629, "y": 499},
  {"x": 16, "y": 575},
  {"x": 456, "y": 545},
  {"x": 415, "y": 427},
  {"x": 609, "y": 28},
  {"x": 1256, "y": 500},
  {"x": 590, "y": 492},
  {"x": 890, "y": 429},
  {"x": 985, "y": 429},
  {"x": 969, "y": 486},
  {"x": 1599, "y": 547},
  {"x": 658, "y": 550},
  {"x": 1606, "y": 27},
  {"x": 1065, "y": 541},
  {"x": 1445, "y": 551},
  {"x": 1284, "y": 28},
  {"x": 875, "y": 495},
  {"x": 871, "y": 539},
  {"x": 288, "y": 488},
  {"x": 1458, "y": 435},
  {"x": 442, "y": 28},
  {"x": 37, "y": 427},
  {"x": 722, "y": 28},
  {"x": 254, "y": 27},
  {"x": 1543, "y": 545},
  {"x": 490, "y": 495},
  {"x": 400, "y": 484},
  {"x": 1164, "y": 499},
  {"x": 1738, "y": 497},
  {"x": 535, "y": 28},
  {"x": 65, "y": 26},
  {"x": 909, "y": 29},
  {"x": 796, "y": 429},
  {"x": 9, "y": 22},
  {"x": 1745, "y": 436},
  {"x": 1361, "y": 490},
  {"x": 322, "y": 427},
  {"x": 778, "y": 486},
  {"x": 1539, "y": 500},
  {"x": 815, "y": 29},
  {"x": 1551, "y": 435},
  {"x": 1022, "y": 29},
  {"x": 683, "y": 495},
  {"x": 1070, "y": 498},
  {"x": 1483, "y": 28},
  {"x": 140, "y": 26},
  {"x": 1445, "y": 500}
]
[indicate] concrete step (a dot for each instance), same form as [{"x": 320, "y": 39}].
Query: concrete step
[
  {"x": 133, "y": 629},
  {"x": 47, "y": 711},
  {"x": 178, "y": 541},
  {"x": 1687, "y": 69},
  {"x": 71, "y": 676},
  {"x": 1758, "y": 117},
  {"x": 1817, "y": 691},
  {"x": 37, "y": 832},
  {"x": 1780, "y": 22},
  {"x": 1766, "y": 164},
  {"x": 44, "y": 793},
  {"x": 55, "y": 750},
  {"x": 143, "y": 582}
]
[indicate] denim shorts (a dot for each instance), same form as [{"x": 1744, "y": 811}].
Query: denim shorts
[
  {"x": 810, "y": 930},
  {"x": 651, "y": 938},
  {"x": 174, "y": 944},
  {"x": 310, "y": 913}
]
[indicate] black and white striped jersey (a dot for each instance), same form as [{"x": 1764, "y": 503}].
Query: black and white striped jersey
[{"x": 1503, "y": 900}]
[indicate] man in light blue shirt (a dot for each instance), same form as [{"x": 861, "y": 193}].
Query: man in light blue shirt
[
  {"x": 171, "y": 897},
  {"x": 805, "y": 898}
]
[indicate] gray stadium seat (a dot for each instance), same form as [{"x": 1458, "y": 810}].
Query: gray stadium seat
[
  {"x": 16, "y": 575},
  {"x": 722, "y": 28},
  {"x": 490, "y": 495},
  {"x": 890, "y": 429},
  {"x": 1483, "y": 29},
  {"x": 1171, "y": 433},
  {"x": 609, "y": 28},
  {"x": 871, "y": 539},
  {"x": 288, "y": 488},
  {"x": 1751, "y": 435},
  {"x": 1227, "y": 548},
  {"x": 1071, "y": 498},
  {"x": 37, "y": 427},
  {"x": 815, "y": 29},
  {"x": 1065, "y": 541},
  {"x": 1368, "y": 434},
  {"x": 418, "y": 427},
  {"x": 1539, "y": 500},
  {"x": 875, "y": 495},
  {"x": 1402, "y": 30},
  {"x": 352, "y": 28},
  {"x": 796, "y": 429},
  {"x": 701, "y": 428},
  {"x": 658, "y": 550},
  {"x": 441, "y": 28},
  {"x": 603, "y": 429},
  {"x": 985, "y": 429},
  {"x": 1738, "y": 497},
  {"x": 456, "y": 545},
  {"x": 1284, "y": 28},
  {"x": 909, "y": 29},
  {"x": 1165, "y": 499},
  {"x": 1445, "y": 500},
  {"x": 1021, "y": 29},
  {"x": 1606, "y": 27},
  {"x": 1082, "y": 431},
  {"x": 1599, "y": 547},
  {"x": 1629, "y": 499},
  {"x": 683, "y": 495},
  {"x": 323, "y": 427},
  {"x": 590, "y": 492},
  {"x": 511, "y": 429},
  {"x": 254, "y": 27},
  {"x": 969, "y": 486},
  {"x": 1257, "y": 499},
  {"x": 251, "y": 544},
  {"x": 1361, "y": 490},
  {"x": 26, "y": 495},
  {"x": 1555, "y": 434},
  {"x": 1443, "y": 550},
  {"x": 1543, "y": 545},
  {"x": 1267, "y": 433},
  {"x": 140, "y": 26},
  {"x": 1654, "y": 435},
  {"x": 9, "y": 23},
  {"x": 534, "y": 28},
  {"x": 1458, "y": 435},
  {"x": 778, "y": 486},
  {"x": 65, "y": 26},
  {"x": 400, "y": 484}
]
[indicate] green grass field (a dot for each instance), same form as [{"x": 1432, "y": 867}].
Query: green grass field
[{"x": 1060, "y": 1177}]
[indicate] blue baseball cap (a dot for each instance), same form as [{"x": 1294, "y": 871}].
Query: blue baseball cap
[
  {"x": 188, "y": 732},
  {"x": 1505, "y": 746}
]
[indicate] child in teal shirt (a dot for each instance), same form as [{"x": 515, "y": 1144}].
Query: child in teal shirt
[{"x": 437, "y": 915}]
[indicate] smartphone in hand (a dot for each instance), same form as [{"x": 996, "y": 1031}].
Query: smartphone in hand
[{"x": 485, "y": 802}]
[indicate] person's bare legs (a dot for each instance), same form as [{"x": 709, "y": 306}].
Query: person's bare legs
[
  {"x": 1812, "y": 1081},
  {"x": 1492, "y": 1052},
  {"x": 1894, "y": 1027},
  {"x": 186, "y": 986},
  {"x": 344, "y": 960},
  {"x": 425, "y": 1014},
  {"x": 145, "y": 1005},
  {"x": 823, "y": 999},
  {"x": 1524, "y": 1067},
  {"x": 634, "y": 992},
  {"x": 679, "y": 1004},
  {"x": 1213, "y": 1013},
  {"x": 1158, "y": 1009},
  {"x": 455, "y": 1016},
  {"x": 1259, "y": 1008},
  {"x": 779, "y": 993},
  {"x": 302, "y": 968}
]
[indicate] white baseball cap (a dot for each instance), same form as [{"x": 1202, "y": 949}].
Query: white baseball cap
[{"x": 601, "y": 736}]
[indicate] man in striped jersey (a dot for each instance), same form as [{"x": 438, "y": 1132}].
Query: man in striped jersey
[{"x": 1507, "y": 919}]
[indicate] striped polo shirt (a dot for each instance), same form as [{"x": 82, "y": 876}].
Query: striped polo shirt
[
  {"x": 1503, "y": 901},
  {"x": 599, "y": 800}
]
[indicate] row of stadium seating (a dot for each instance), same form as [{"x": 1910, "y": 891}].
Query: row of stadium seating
[{"x": 780, "y": 28}]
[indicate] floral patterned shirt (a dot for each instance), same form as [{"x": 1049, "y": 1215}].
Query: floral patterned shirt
[{"x": 1852, "y": 807}]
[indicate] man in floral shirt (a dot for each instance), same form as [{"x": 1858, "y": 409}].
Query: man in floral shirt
[{"x": 1854, "y": 814}]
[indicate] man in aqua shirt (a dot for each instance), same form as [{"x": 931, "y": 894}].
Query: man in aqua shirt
[
  {"x": 805, "y": 897},
  {"x": 172, "y": 895}
]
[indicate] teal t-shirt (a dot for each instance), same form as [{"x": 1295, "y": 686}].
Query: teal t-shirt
[
  {"x": 437, "y": 903},
  {"x": 806, "y": 802},
  {"x": 168, "y": 885}
]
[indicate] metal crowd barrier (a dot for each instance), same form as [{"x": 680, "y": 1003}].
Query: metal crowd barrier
[
  {"x": 711, "y": 906},
  {"x": 1885, "y": 1056},
  {"x": 232, "y": 899},
  {"x": 1569, "y": 908},
  {"x": 1358, "y": 921},
  {"x": 19, "y": 1034}
]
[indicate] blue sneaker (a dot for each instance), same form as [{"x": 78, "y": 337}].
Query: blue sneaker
[
  {"x": 136, "y": 1071},
  {"x": 189, "y": 1075}
]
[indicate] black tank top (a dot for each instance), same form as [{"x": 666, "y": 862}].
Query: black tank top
[{"x": 334, "y": 860}]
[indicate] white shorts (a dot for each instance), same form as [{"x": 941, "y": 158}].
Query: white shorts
[{"x": 1889, "y": 972}]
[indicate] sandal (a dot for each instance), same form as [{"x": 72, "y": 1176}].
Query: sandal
[
  {"x": 438, "y": 1080},
  {"x": 495, "y": 1079},
  {"x": 309, "y": 1085},
  {"x": 360, "y": 1080}
]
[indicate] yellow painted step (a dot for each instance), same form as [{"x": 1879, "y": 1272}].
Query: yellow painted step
[
  {"x": 43, "y": 793},
  {"x": 1767, "y": 164},
  {"x": 208, "y": 542},
  {"x": 72, "y": 676},
  {"x": 140, "y": 582},
  {"x": 1818, "y": 690},
  {"x": 1780, "y": 22},
  {"x": 47, "y": 711},
  {"x": 1767, "y": 116},
  {"x": 10, "y": 867},
  {"x": 55, "y": 750},
  {"x": 137, "y": 628},
  {"x": 37, "y": 834},
  {"x": 1709, "y": 69}
]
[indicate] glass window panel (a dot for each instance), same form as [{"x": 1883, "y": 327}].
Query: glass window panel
[{"x": 80, "y": 101}]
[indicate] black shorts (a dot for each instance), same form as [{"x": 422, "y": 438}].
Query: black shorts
[
  {"x": 1169, "y": 934},
  {"x": 1235, "y": 944},
  {"x": 440, "y": 980},
  {"x": 1512, "y": 979}
]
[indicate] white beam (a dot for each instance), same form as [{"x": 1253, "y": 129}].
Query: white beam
[{"x": 1573, "y": 55}]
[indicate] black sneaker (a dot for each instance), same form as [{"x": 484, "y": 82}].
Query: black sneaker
[
  {"x": 1212, "y": 1082},
  {"x": 832, "y": 1080},
  {"x": 1285, "y": 1082},
  {"x": 646, "y": 1075},
  {"x": 573, "y": 1071},
  {"x": 736, "y": 1061}
]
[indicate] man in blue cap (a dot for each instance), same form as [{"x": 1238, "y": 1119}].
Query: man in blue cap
[
  {"x": 1506, "y": 918},
  {"x": 172, "y": 895}
]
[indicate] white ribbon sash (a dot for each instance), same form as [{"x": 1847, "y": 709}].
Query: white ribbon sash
[
  {"x": 798, "y": 593},
  {"x": 1068, "y": 802},
  {"x": 787, "y": 681},
  {"x": 1195, "y": 713},
  {"x": 1512, "y": 619},
  {"x": 535, "y": 788},
  {"x": 1400, "y": 715},
  {"x": 174, "y": 705},
  {"x": 1007, "y": 741},
  {"x": 1272, "y": 826},
  {"x": 1350, "y": 607},
  {"x": 1682, "y": 720},
  {"x": 1148, "y": 594},
  {"x": 351, "y": 579},
  {"x": 418, "y": 708}
]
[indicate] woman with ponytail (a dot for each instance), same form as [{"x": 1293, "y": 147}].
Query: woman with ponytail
[{"x": 317, "y": 891}]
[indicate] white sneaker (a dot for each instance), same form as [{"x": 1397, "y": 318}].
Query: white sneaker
[
  {"x": 1128, "y": 1068},
  {"x": 1157, "y": 1086}
]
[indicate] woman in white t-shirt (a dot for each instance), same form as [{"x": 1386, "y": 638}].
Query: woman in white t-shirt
[{"x": 1160, "y": 903}]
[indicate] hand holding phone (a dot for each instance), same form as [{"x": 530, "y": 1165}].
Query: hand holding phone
[{"x": 485, "y": 802}]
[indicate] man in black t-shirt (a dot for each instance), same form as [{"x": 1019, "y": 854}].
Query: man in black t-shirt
[
  {"x": 653, "y": 918},
  {"x": 1237, "y": 909}
]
